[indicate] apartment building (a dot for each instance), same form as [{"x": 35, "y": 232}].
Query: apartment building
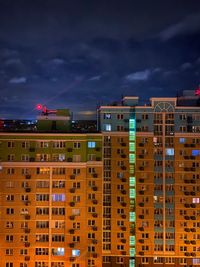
[
  {"x": 51, "y": 192},
  {"x": 163, "y": 185},
  {"x": 128, "y": 195}
]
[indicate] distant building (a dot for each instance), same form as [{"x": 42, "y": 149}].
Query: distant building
[{"x": 127, "y": 195}]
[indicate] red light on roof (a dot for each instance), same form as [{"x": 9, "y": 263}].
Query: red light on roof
[
  {"x": 39, "y": 107},
  {"x": 197, "y": 91}
]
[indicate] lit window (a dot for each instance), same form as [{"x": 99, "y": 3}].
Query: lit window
[
  {"x": 132, "y": 193},
  {"x": 58, "y": 197},
  {"x": 195, "y": 200},
  {"x": 132, "y": 216},
  {"x": 182, "y": 140},
  {"x": 132, "y": 252},
  {"x": 75, "y": 252},
  {"x": 132, "y": 181},
  {"x": 58, "y": 251},
  {"x": 195, "y": 152},
  {"x": 169, "y": 152},
  {"x": 107, "y": 116},
  {"x": 107, "y": 127},
  {"x": 91, "y": 144}
]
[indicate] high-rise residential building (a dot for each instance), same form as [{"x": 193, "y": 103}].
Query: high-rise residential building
[{"x": 128, "y": 195}]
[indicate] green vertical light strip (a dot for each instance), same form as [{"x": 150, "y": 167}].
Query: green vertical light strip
[{"x": 132, "y": 186}]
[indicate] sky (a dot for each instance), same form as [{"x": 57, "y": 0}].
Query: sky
[{"x": 80, "y": 54}]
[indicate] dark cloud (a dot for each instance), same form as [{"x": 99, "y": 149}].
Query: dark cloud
[{"x": 79, "y": 54}]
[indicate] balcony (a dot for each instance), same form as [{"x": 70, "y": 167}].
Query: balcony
[
  {"x": 27, "y": 189},
  {"x": 27, "y": 230},
  {"x": 72, "y": 190},
  {"x": 72, "y": 204},
  {"x": 141, "y": 204},
  {"x": 141, "y": 156},
  {"x": 141, "y": 216},
  {"x": 27, "y": 217},
  {"x": 27, "y": 244},
  {"x": 123, "y": 191},
  {"x": 141, "y": 228},
  {"x": 94, "y": 241},
  {"x": 94, "y": 228},
  {"x": 123, "y": 144},
  {"x": 141, "y": 180},
  {"x": 141, "y": 144},
  {"x": 94, "y": 188},
  {"x": 27, "y": 202}
]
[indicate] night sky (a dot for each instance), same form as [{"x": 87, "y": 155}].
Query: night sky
[{"x": 80, "y": 54}]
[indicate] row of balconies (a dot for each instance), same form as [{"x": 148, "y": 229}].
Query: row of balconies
[
  {"x": 193, "y": 242},
  {"x": 92, "y": 254},
  {"x": 187, "y": 193},
  {"x": 189, "y": 157},
  {"x": 192, "y": 205},
  {"x": 191, "y": 254},
  {"x": 188, "y": 169},
  {"x": 69, "y": 149},
  {"x": 190, "y": 217},
  {"x": 189, "y": 145},
  {"x": 192, "y": 181},
  {"x": 72, "y": 176},
  {"x": 189, "y": 229},
  {"x": 69, "y": 159}
]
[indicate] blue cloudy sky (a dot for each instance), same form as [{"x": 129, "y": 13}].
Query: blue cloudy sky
[{"x": 83, "y": 53}]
